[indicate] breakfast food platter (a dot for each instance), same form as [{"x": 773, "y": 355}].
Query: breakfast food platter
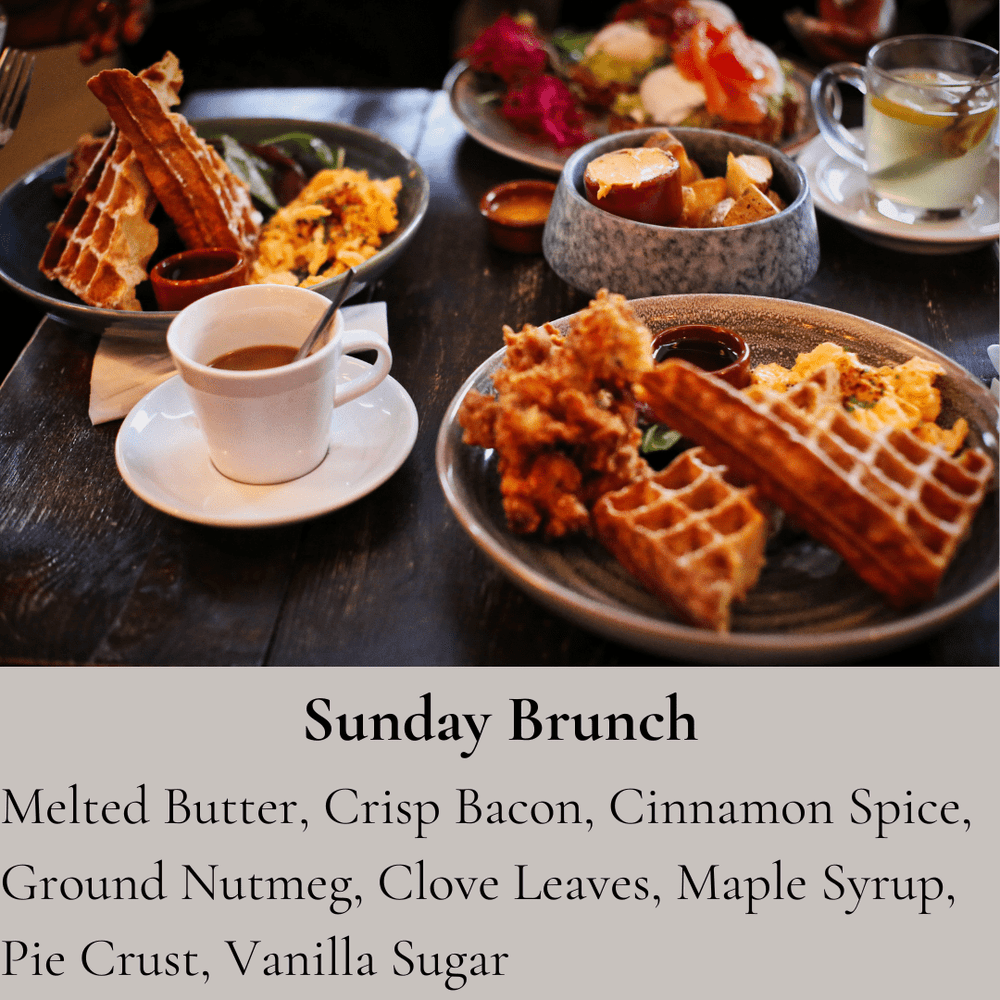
[
  {"x": 28, "y": 206},
  {"x": 808, "y": 606},
  {"x": 470, "y": 100}
]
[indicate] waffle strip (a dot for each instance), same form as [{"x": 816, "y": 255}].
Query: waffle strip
[
  {"x": 209, "y": 205},
  {"x": 895, "y": 508},
  {"x": 101, "y": 244},
  {"x": 688, "y": 535}
]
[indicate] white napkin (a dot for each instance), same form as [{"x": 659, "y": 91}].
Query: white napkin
[
  {"x": 994, "y": 354},
  {"x": 126, "y": 368}
]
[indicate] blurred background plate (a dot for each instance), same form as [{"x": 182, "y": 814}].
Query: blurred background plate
[
  {"x": 28, "y": 206},
  {"x": 807, "y": 607},
  {"x": 482, "y": 120}
]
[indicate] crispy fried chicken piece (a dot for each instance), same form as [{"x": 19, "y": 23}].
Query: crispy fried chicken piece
[{"x": 563, "y": 419}]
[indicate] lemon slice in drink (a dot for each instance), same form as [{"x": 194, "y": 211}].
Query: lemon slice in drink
[{"x": 910, "y": 114}]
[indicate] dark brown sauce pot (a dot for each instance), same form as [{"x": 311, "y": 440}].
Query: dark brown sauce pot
[
  {"x": 192, "y": 274},
  {"x": 716, "y": 349}
]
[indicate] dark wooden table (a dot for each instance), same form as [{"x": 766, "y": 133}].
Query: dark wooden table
[{"x": 91, "y": 574}]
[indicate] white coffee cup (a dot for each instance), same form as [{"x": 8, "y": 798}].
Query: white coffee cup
[{"x": 267, "y": 425}]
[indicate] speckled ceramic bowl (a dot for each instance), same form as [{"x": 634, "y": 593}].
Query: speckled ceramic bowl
[{"x": 591, "y": 249}]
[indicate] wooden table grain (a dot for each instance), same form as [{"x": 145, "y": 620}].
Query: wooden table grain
[{"x": 91, "y": 574}]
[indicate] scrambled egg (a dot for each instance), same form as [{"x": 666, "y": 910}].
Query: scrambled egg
[
  {"x": 336, "y": 222},
  {"x": 903, "y": 395}
]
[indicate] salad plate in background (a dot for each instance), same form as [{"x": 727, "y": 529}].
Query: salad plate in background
[
  {"x": 472, "y": 103},
  {"x": 537, "y": 97}
]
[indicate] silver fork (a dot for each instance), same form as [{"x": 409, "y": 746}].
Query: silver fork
[{"x": 16, "y": 68}]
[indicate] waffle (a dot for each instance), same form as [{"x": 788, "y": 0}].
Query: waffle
[
  {"x": 892, "y": 506},
  {"x": 208, "y": 204},
  {"x": 101, "y": 245},
  {"x": 688, "y": 535}
]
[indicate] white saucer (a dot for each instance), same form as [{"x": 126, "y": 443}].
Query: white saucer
[
  {"x": 164, "y": 460},
  {"x": 839, "y": 188}
]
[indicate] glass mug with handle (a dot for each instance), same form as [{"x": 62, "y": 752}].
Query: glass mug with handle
[{"x": 930, "y": 115}]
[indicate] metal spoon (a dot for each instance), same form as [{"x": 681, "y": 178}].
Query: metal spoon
[
  {"x": 327, "y": 318},
  {"x": 955, "y": 140}
]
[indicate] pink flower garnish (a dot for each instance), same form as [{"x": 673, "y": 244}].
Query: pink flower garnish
[
  {"x": 508, "y": 49},
  {"x": 545, "y": 106}
]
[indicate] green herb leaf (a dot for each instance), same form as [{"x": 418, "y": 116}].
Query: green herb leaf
[
  {"x": 658, "y": 437},
  {"x": 259, "y": 174},
  {"x": 571, "y": 43},
  {"x": 853, "y": 402},
  {"x": 250, "y": 169},
  {"x": 306, "y": 144}
]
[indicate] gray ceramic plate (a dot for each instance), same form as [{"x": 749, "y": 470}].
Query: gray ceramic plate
[
  {"x": 466, "y": 90},
  {"x": 28, "y": 206},
  {"x": 807, "y": 606}
]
